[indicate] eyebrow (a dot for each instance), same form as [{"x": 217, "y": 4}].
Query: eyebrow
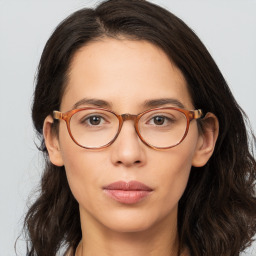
[
  {"x": 92, "y": 102},
  {"x": 147, "y": 104},
  {"x": 163, "y": 101}
]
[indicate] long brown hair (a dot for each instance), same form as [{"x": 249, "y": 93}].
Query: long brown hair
[{"x": 217, "y": 211}]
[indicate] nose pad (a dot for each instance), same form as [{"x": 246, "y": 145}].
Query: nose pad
[{"x": 128, "y": 149}]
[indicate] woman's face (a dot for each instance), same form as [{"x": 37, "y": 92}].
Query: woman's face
[{"x": 125, "y": 74}]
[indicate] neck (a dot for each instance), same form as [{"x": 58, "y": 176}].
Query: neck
[{"x": 159, "y": 240}]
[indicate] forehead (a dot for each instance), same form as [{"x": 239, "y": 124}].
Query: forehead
[{"x": 124, "y": 73}]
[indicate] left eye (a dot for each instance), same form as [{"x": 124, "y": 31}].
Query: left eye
[{"x": 159, "y": 120}]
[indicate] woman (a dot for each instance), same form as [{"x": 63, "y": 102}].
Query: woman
[{"x": 146, "y": 149}]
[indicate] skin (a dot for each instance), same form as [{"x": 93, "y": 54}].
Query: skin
[{"x": 126, "y": 73}]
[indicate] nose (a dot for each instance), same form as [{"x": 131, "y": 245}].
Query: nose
[{"x": 128, "y": 150}]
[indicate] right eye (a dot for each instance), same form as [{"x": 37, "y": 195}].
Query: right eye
[{"x": 93, "y": 120}]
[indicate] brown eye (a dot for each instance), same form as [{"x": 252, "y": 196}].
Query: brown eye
[
  {"x": 159, "y": 120},
  {"x": 94, "y": 120}
]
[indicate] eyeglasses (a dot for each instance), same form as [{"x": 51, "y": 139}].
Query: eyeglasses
[{"x": 158, "y": 128}]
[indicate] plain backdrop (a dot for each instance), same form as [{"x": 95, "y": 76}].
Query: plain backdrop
[{"x": 227, "y": 27}]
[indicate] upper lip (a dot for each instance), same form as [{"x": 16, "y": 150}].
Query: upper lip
[{"x": 128, "y": 186}]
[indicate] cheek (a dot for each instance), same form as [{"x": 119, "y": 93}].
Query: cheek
[
  {"x": 82, "y": 167},
  {"x": 84, "y": 172},
  {"x": 173, "y": 179},
  {"x": 173, "y": 173}
]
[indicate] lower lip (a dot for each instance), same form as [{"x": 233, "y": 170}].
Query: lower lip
[{"x": 127, "y": 197}]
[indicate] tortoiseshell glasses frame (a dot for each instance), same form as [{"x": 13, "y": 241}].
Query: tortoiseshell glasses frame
[{"x": 189, "y": 114}]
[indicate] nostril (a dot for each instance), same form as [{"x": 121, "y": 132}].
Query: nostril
[{"x": 135, "y": 162}]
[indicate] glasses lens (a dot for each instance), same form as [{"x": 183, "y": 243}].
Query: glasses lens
[
  {"x": 163, "y": 128},
  {"x": 93, "y": 128}
]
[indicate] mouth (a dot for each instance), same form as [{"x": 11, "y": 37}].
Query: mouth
[{"x": 127, "y": 192}]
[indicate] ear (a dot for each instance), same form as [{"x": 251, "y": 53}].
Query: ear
[
  {"x": 207, "y": 140},
  {"x": 52, "y": 142}
]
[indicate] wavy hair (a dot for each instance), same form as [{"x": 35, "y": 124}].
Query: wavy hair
[{"x": 217, "y": 212}]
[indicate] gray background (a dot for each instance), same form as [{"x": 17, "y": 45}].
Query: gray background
[{"x": 228, "y": 29}]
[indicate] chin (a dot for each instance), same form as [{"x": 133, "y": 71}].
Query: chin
[
  {"x": 129, "y": 226},
  {"x": 130, "y": 221}
]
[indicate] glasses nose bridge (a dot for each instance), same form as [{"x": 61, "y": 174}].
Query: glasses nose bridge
[{"x": 126, "y": 117}]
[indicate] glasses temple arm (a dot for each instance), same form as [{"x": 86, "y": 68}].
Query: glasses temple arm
[
  {"x": 198, "y": 113},
  {"x": 57, "y": 115}
]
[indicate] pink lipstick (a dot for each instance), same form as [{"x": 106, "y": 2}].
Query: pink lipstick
[{"x": 127, "y": 193}]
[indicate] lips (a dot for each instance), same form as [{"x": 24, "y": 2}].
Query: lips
[{"x": 127, "y": 192}]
